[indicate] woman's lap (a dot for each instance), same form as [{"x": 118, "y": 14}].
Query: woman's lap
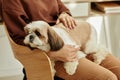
[
  {"x": 87, "y": 70},
  {"x": 113, "y": 64}
]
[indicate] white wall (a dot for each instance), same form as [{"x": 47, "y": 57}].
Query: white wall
[
  {"x": 113, "y": 24},
  {"x": 10, "y": 68}
]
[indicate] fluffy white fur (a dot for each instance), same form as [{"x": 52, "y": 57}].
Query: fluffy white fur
[{"x": 43, "y": 44}]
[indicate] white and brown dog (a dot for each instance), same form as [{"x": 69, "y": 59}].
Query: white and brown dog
[{"x": 42, "y": 36}]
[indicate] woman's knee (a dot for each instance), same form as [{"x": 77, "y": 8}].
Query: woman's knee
[
  {"x": 95, "y": 72},
  {"x": 102, "y": 75},
  {"x": 111, "y": 76}
]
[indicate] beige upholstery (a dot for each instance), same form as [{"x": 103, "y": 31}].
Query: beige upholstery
[{"x": 36, "y": 62}]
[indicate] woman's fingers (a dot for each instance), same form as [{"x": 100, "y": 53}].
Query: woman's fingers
[
  {"x": 71, "y": 22},
  {"x": 65, "y": 54},
  {"x": 67, "y": 20}
]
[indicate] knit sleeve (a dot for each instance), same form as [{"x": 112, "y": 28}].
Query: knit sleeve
[
  {"x": 15, "y": 18},
  {"x": 62, "y": 7},
  {"x": 0, "y": 10},
  {"x": 14, "y": 13}
]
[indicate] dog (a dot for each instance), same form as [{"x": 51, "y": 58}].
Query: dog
[{"x": 52, "y": 38}]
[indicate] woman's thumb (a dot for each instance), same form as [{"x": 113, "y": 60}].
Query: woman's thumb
[{"x": 58, "y": 21}]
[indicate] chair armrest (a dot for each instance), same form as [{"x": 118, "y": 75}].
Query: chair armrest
[{"x": 36, "y": 62}]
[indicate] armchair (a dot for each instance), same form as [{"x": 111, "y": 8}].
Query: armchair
[{"x": 35, "y": 62}]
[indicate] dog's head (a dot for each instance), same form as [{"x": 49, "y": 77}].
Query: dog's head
[{"x": 42, "y": 36}]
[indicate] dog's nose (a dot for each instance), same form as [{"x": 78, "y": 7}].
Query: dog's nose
[{"x": 31, "y": 38}]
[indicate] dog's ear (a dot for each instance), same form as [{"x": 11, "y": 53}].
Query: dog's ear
[{"x": 54, "y": 40}]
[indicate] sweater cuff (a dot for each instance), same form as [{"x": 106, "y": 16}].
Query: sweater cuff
[{"x": 67, "y": 12}]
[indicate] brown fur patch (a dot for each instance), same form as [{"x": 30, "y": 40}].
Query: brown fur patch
[{"x": 54, "y": 40}]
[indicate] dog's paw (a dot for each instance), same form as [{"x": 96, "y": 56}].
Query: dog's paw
[
  {"x": 100, "y": 54},
  {"x": 71, "y": 67},
  {"x": 99, "y": 57}
]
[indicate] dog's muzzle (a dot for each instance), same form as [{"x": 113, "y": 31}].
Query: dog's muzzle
[{"x": 31, "y": 38}]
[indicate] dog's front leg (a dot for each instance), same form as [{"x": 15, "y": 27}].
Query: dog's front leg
[{"x": 71, "y": 67}]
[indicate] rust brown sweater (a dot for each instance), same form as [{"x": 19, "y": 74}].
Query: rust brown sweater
[{"x": 17, "y": 13}]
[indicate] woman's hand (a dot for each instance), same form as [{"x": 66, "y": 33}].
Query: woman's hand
[
  {"x": 67, "y": 20},
  {"x": 65, "y": 54}
]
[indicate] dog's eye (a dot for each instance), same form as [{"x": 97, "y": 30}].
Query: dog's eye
[{"x": 37, "y": 33}]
